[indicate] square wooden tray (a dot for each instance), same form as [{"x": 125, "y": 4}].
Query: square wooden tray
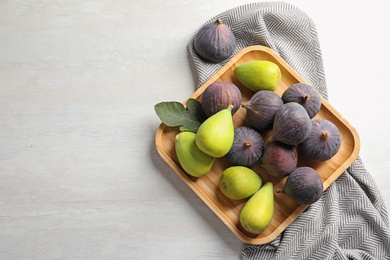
[{"x": 206, "y": 187}]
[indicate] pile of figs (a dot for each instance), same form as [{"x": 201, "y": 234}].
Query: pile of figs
[
  {"x": 292, "y": 131},
  {"x": 277, "y": 131},
  {"x": 280, "y": 134}
]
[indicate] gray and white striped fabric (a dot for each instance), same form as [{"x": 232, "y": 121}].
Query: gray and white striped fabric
[{"x": 350, "y": 221}]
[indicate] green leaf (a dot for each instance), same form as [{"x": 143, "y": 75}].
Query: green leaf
[
  {"x": 171, "y": 113},
  {"x": 174, "y": 113},
  {"x": 195, "y": 107}
]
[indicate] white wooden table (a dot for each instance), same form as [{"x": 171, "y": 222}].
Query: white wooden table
[{"x": 80, "y": 177}]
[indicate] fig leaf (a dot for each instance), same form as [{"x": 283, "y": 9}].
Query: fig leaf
[{"x": 173, "y": 113}]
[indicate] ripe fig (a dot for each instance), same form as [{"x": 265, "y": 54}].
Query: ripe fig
[
  {"x": 323, "y": 142},
  {"x": 303, "y": 185},
  {"x": 304, "y": 94},
  {"x": 261, "y": 109},
  {"x": 257, "y": 213},
  {"x": 259, "y": 75},
  {"x": 215, "y": 41},
  {"x": 239, "y": 182},
  {"x": 219, "y": 95},
  {"x": 279, "y": 159},
  {"x": 193, "y": 161},
  {"x": 247, "y": 148},
  {"x": 292, "y": 124},
  {"x": 215, "y": 135}
]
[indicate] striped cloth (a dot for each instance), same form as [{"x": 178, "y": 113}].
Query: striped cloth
[{"x": 350, "y": 220}]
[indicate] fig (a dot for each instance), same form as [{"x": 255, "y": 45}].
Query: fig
[
  {"x": 218, "y": 96},
  {"x": 303, "y": 94},
  {"x": 215, "y": 41},
  {"x": 323, "y": 142},
  {"x": 279, "y": 159},
  {"x": 261, "y": 109},
  {"x": 257, "y": 213},
  {"x": 247, "y": 148},
  {"x": 292, "y": 124},
  {"x": 193, "y": 161},
  {"x": 303, "y": 185},
  {"x": 239, "y": 182},
  {"x": 215, "y": 135},
  {"x": 259, "y": 75}
]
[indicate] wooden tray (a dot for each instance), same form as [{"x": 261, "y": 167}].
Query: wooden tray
[{"x": 206, "y": 187}]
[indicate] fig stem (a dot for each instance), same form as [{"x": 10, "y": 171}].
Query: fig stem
[
  {"x": 248, "y": 143},
  {"x": 230, "y": 107},
  {"x": 219, "y": 21},
  {"x": 306, "y": 97},
  {"x": 324, "y": 135}
]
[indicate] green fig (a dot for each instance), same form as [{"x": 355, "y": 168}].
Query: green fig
[
  {"x": 239, "y": 182},
  {"x": 215, "y": 135},
  {"x": 258, "y": 211},
  {"x": 259, "y": 75},
  {"x": 193, "y": 161}
]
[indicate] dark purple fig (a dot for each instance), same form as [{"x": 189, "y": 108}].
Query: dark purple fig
[
  {"x": 219, "y": 95},
  {"x": 303, "y": 185},
  {"x": 303, "y": 94},
  {"x": 292, "y": 124},
  {"x": 247, "y": 148},
  {"x": 261, "y": 109},
  {"x": 215, "y": 41},
  {"x": 279, "y": 159},
  {"x": 323, "y": 142}
]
